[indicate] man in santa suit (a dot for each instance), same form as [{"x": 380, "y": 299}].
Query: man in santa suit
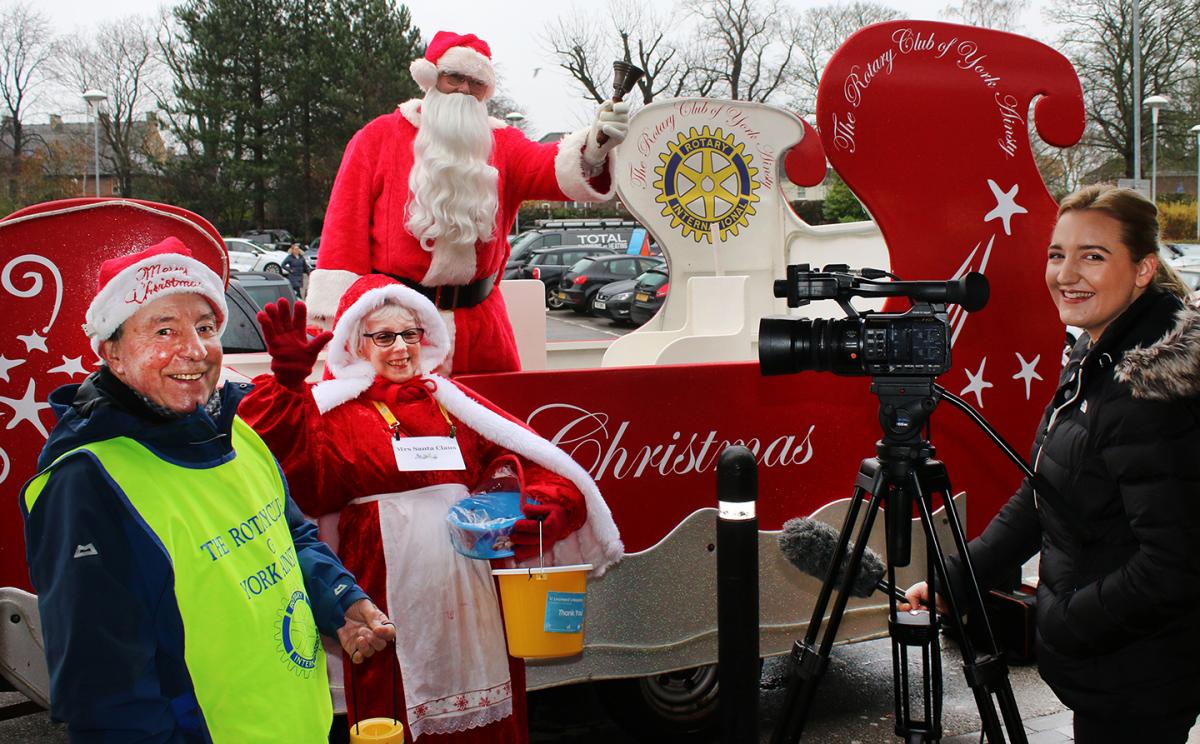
[{"x": 427, "y": 194}]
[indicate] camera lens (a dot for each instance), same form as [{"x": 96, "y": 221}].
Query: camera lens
[{"x": 787, "y": 345}]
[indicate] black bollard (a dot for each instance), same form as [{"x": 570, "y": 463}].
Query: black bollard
[{"x": 737, "y": 595}]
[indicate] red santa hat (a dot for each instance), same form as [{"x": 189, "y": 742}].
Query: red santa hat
[
  {"x": 349, "y": 375},
  {"x": 129, "y": 283},
  {"x": 458, "y": 53}
]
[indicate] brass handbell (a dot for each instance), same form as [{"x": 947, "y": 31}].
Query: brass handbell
[{"x": 625, "y": 76}]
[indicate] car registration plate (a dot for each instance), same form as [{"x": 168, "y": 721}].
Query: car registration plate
[
  {"x": 562, "y": 295},
  {"x": 641, "y": 297},
  {"x": 599, "y": 304}
]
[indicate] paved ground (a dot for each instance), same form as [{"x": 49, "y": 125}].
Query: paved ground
[{"x": 565, "y": 325}]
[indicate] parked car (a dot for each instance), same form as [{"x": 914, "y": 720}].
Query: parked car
[
  {"x": 269, "y": 238},
  {"x": 1182, "y": 251},
  {"x": 549, "y": 264},
  {"x": 264, "y": 287},
  {"x": 614, "y": 234},
  {"x": 310, "y": 253},
  {"x": 578, "y": 287},
  {"x": 614, "y": 299},
  {"x": 245, "y": 255},
  {"x": 649, "y": 295}
]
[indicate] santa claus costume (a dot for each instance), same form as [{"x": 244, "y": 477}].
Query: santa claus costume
[
  {"x": 369, "y": 222},
  {"x": 457, "y": 683}
]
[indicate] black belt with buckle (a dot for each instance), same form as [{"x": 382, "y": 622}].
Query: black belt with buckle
[{"x": 453, "y": 296}]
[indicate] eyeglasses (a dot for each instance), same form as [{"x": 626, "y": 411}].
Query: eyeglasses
[
  {"x": 384, "y": 339},
  {"x": 457, "y": 79}
]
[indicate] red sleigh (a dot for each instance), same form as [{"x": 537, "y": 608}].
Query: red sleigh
[{"x": 926, "y": 122}]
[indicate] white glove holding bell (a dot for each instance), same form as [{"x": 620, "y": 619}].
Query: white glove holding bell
[{"x": 613, "y": 120}]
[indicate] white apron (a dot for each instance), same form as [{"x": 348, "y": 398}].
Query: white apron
[{"x": 449, "y": 636}]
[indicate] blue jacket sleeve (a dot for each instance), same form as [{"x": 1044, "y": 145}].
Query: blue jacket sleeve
[
  {"x": 331, "y": 588},
  {"x": 100, "y": 587}
]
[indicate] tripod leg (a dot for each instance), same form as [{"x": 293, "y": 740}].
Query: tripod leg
[
  {"x": 997, "y": 682},
  {"x": 808, "y": 664},
  {"x": 991, "y": 672}
]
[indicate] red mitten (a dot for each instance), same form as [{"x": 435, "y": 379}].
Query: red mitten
[
  {"x": 292, "y": 354},
  {"x": 524, "y": 535}
]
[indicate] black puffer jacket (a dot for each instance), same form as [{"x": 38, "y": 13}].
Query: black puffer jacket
[{"x": 1117, "y": 518}]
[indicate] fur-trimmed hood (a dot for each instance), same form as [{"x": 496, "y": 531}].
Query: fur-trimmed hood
[{"x": 1169, "y": 368}]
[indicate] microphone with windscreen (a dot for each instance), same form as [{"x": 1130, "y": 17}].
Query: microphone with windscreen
[{"x": 809, "y": 545}]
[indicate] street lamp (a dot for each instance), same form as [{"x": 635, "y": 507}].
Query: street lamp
[
  {"x": 1196, "y": 131},
  {"x": 94, "y": 98},
  {"x": 1154, "y": 103}
]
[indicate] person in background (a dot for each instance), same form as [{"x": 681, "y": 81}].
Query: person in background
[
  {"x": 181, "y": 591},
  {"x": 428, "y": 193},
  {"x": 346, "y": 445},
  {"x": 1115, "y": 506},
  {"x": 294, "y": 268}
]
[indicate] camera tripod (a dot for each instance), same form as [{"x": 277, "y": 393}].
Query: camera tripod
[{"x": 901, "y": 476}]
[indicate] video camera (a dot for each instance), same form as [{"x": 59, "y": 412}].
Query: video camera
[{"x": 912, "y": 343}]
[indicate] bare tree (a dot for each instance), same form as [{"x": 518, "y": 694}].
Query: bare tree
[
  {"x": 1096, "y": 39},
  {"x": 639, "y": 36},
  {"x": 750, "y": 46},
  {"x": 1004, "y": 15},
  {"x": 820, "y": 32},
  {"x": 27, "y": 48},
  {"x": 122, "y": 60}
]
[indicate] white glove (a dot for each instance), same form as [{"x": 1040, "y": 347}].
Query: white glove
[{"x": 613, "y": 120}]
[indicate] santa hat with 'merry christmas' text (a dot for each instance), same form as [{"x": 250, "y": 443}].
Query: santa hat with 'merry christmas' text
[
  {"x": 465, "y": 54},
  {"x": 128, "y": 283}
]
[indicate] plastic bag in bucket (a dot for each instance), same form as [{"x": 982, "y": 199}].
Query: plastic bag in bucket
[
  {"x": 544, "y": 609},
  {"x": 480, "y": 524}
]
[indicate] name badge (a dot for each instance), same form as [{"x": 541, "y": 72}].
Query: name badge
[{"x": 427, "y": 453}]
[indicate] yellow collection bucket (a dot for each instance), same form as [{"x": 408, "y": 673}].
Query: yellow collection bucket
[
  {"x": 377, "y": 731},
  {"x": 543, "y": 609}
]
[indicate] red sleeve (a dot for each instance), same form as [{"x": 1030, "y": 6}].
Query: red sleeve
[
  {"x": 292, "y": 426},
  {"x": 345, "y": 237},
  {"x": 537, "y": 171},
  {"x": 540, "y": 484}
]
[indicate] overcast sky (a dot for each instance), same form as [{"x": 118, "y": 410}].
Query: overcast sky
[{"x": 550, "y": 100}]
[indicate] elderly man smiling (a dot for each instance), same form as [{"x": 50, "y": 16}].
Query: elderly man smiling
[{"x": 182, "y": 594}]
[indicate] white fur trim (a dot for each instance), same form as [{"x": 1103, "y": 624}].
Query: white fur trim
[
  {"x": 147, "y": 280},
  {"x": 352, "y": 375},
  {"x": 598, "y": 541},
  {"x": 325, "y": 290},
  {"x": 411, "y": 111},
  {"x": 570, "y": 170},
  {"x": 447, "y": 365},
  {"x": 424, "y": 72}
]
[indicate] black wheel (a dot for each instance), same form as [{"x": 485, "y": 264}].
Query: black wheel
[
  {"x": 590, "y": 304},
  {"x": 272, "y": 268},
  {"x": 673, "y": 707}
]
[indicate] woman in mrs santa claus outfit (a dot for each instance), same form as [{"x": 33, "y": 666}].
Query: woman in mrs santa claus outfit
[{"x": 341, "y": 444}]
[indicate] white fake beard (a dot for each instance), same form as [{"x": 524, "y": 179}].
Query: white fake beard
[{"x": 452, "y": 188}]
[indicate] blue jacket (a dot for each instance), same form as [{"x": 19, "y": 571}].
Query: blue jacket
[{"x": 113, "y": 632}]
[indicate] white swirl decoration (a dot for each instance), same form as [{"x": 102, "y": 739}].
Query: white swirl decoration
[
  {"x": 36, "y": 283},
  {"x": 4, "y": 466}
]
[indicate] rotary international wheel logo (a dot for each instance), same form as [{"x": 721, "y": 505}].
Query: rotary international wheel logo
[
  {"x": 705, "y": 180},
  {"x": 297, "y": 636}
]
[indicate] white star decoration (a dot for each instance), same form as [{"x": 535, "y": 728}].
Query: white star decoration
[
  {"x": 1027, "y": 373},
  {"x": 69, "y": 367},
  {"x": 977, "y": 384},
  {"x": 33, "y": 341},
  {"x": 26, "y": 409},
  {"x": 6, "y": 364},
  {"x": 1006, "y": 205}
]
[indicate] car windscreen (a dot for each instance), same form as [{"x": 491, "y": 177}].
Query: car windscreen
[
  {"x": 581, "y": 265},
  {"x": 652, "y": 279},
  {"x": 523, "y": 246}
]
